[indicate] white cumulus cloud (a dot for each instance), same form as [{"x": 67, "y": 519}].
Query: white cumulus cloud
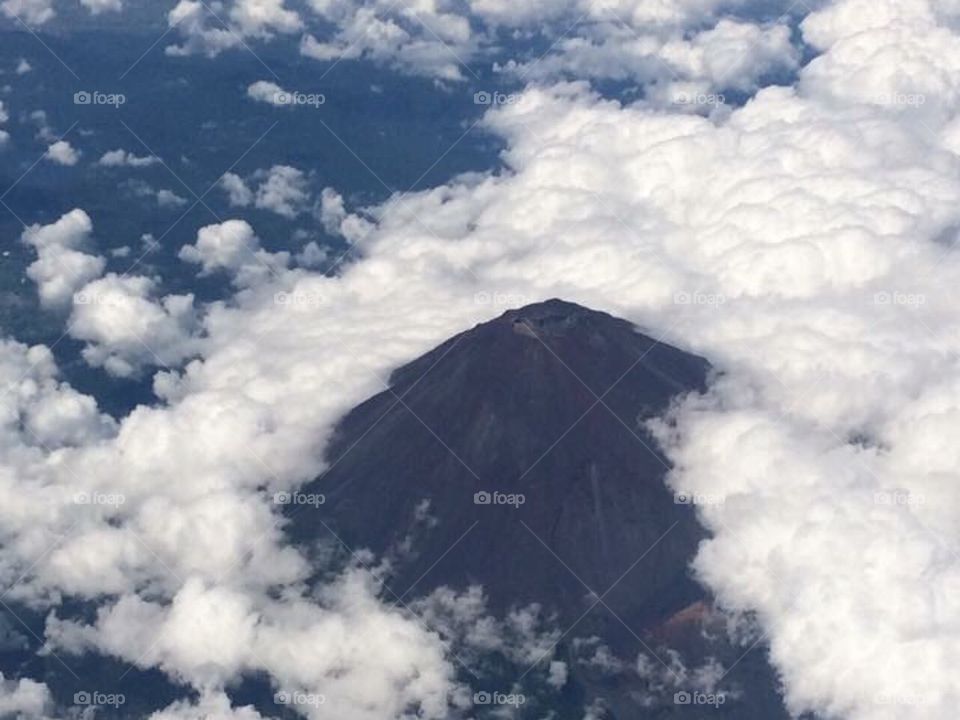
[
  {"x": 63, "y": 153},
  {"x": 62, "y": 267},
  {"x": 122, "y": 158},
  {"x": 32, "y": 12}
]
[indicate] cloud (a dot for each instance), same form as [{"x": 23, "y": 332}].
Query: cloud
[
  {"x": 525, "y": 636},
  {"x": 907, "y": 41},
  {"x": 596, "y": 710},
  {"x": 62, "y": 267},
  {"x": 426, "y": 40},
  {"x": 212, "y": 523},
  {"x": 807, "y": 262},
  {"x": 122, "y": 158},
  {"x": 164, "y": 197},
  {"x": 237, "y": 191},
  {"x": 126, "y": 327},
  {"x": 268, "y": 92},
  {"x": 63, "y": 153},
  {"x": 204, "y": 32},
  {"x": 32, "y": 12},
  {"x": 96, "y": 7},
  {"x": 41, "y": 410},
  {"x": 283, "y": 190},
  {"x": 658, "y": 44},
  {"x": 228, "y": 246},
  {"x": 189, "y": 18},
  {"x": 333, "y": 211},
  {"x": 232, "y": 246},
  {"x": 209, "y": 630},
  {"x": 818, "y": 226},
  {"x": 803, "y": 242},
  {"x": 260, "y": 17},
  {"x": 709, "y": 42},
  {"x": 169, "y": 199},
  {"x": 4, "y": 116},
  {"x": 44, "y": 132},
  {"x": 731, "y": 55},
  {"x": 510, "y": 14},
  {"x": 735, "y": 55},
  {"x": 210, "y": 706},
  {"x": 24, "y": 699},
  {"x": 312, "y": 255}
]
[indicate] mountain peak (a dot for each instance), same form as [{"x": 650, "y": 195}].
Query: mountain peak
[
  {"x": 562, "y": 343},
  {"x": 549, "y": 312},
  {"x": 548, "y": 402},
  {"x": 555, "y": 317},
  {"x": 516, "y": 457}
]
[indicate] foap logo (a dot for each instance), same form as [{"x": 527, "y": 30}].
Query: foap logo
[
  {"x": 300, "y": 99},
  {"x": 95, "y": 698},
  {"x": 496, "y": 98},
  {"x": 300, "y": 699},
  {"x": 899, "y": 498},
  {"x": 514, "y": 500},
  {"x": 299, "y": 498},
  {"x": 900, "y": 99},
  {"x": 700, "y": 99},
  {"x": 299, "y": 299},
  {"x": 699, "y": 698},
  {"x": 97, "y": 498},
  {"x": 904, "y": 700},
  {"x": 686, "y": 498},
  {"x": 101, "y": 300},
  {"x": 499, "y": 698},
  {"x": 502, "y": 299},
  {"x": 903, "y": 299},
  {"x": 95, "y": 97},
  {"x": 713, "y": 300}
]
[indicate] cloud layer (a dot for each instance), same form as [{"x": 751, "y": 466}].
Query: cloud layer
[
  {"x": 803, "y": 242},
  {"x": 674, "y": 46}
]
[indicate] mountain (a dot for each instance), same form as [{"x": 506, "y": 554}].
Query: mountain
[{"x": 514, "y": 457}]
